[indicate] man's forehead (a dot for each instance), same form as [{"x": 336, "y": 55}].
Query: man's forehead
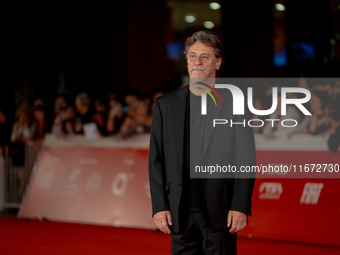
[{"x": 201, "y": 47}]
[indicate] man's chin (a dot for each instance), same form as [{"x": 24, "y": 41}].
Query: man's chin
[{"x": 198, "y": 79}]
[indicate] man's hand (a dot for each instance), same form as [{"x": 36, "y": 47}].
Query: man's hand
[
  {"x": 162, "y": 219},
  {"x": 237, "y": 220}
]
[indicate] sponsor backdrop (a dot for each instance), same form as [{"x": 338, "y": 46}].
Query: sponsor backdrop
[
  {"x": 303, "y": 210},
  {"x": 109, "y": 186}
]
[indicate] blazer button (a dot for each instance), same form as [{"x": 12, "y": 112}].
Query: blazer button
[{"x": 180, "y": 185}]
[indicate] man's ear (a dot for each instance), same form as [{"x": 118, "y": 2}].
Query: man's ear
[{"x": 218, "y": 63}]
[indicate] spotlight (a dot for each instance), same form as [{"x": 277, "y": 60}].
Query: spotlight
[
  {"x": 214, "y": 6},
  {"x": 208, "y": 24},
  {"x": 280, "y": 7},
  {"x": 190, "y": 18}
]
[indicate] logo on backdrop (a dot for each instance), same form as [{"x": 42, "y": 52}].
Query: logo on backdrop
[
  {"x": 311, "y": 193},
  {"x": 270, "y": 190}
]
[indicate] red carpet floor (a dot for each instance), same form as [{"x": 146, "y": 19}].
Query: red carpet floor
[{"x": 44, "y": 237}]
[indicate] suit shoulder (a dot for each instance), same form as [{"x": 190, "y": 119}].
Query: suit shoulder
[{"x": 173, "y": 94}]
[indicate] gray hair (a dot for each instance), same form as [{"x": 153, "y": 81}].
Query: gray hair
[
  {"x": 207, "y": 38},
  {"x": 84, "y": 99}
]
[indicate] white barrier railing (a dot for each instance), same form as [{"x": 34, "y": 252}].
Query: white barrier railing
[{"x": 16, "y": 173}]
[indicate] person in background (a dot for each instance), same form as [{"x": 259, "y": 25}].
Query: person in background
[
  {"x": 129, "y": 102},
  {"x": 100, "y": 116},
  {"x": 316, "y": 123},
  {"x": 23, "y": 128},
  {"x": 155, "y": 95},
  {"x": 40, "y": 122},
  {"x": 5, "y": 131},
  {"x": 22, "y": 132},
  {"x": 83, "y": 112},
  {"x": 63, "y": 123},
  {"x": 138, "y": 120},
  {"x": 273, "y": 130},
  {"x": 333, "y": 117},
  {"x": 115, "y": 116}
]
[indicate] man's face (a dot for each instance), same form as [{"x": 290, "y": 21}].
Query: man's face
[{"x": 201, "y": 62}]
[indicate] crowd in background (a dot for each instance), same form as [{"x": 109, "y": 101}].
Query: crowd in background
[
  {"x": 105, "y": 115},
  {"x": 130, "y": 114},
  {"x": 122, "y": 115},
  {"x": 324, "y": 106}
]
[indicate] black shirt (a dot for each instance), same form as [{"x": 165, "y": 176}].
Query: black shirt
[{"x": 193, "y": 199}]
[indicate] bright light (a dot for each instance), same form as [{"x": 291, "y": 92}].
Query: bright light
[
  {"x": 208, "y": 24},
  {"x": 280, "y": 7},
  {"x": 190, "y": 18},
  {"x": 214, "y": 5}
]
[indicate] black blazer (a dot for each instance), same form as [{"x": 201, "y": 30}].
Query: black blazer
[{"x": 166, "y": 157}]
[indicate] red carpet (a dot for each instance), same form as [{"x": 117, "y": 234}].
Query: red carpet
[{"x": 44, "y": 237}]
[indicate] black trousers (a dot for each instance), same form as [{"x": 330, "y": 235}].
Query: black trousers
[{"x": 199, "y": 236}]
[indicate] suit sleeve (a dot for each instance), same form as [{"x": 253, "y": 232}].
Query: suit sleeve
[
  {"x": 245, "y": 156},
  {"x": 157, "y": 178}
]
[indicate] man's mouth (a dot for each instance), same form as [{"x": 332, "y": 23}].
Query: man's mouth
[{"x": 197, "y": 69}]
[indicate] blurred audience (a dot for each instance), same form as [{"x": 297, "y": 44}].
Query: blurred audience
[
  {"x": 39, "y": 117},
  {"x": 84, "y": 114},
  {"x": 274, "y": 129},
  {"x": 22, "y": 132},
  {"x": 130, "y": 116},
  {"x": 100, "y": 116},
  {"x": 23, "y": 129},
  {"x": 333, "y": 118},
  {"x": 63, "y": 123},
  {"x": 115, "y": 116},
  {"x": 5, "y": 131},
  {"x": 138, "y": 119},
  {"x": 324, "y": 106},
  {"x": 133, "y": 115},
  {"x": 129, "y": 101},
  {"x": 155, "y": 95},
  {"x": 317, "y": 123}
]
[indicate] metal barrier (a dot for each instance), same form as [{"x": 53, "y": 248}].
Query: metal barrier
[{"x": 16, "y": 173}]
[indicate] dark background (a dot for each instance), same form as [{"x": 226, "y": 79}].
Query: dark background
[{"x": 122, "y": 47}]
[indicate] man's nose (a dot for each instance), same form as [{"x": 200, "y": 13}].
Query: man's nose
[{"x": 198, "y": 61}]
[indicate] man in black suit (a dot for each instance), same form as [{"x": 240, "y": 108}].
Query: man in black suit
[{"x": 203, "y": 215}]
